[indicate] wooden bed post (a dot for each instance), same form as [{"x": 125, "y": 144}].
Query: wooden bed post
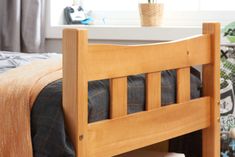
[
  {"x": 211, "y": 87},
  {"x": 75, "y": 102}
]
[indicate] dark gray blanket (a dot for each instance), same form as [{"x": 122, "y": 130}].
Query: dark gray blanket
[{"x": 47, "y": 120}]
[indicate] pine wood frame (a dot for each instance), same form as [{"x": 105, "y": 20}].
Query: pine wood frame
[{"x": 122, "y": 133}]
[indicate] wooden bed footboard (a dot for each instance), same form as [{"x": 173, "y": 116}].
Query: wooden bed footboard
[{"x": 122, "y": 132}]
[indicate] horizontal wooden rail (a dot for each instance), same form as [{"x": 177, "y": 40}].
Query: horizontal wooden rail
[
  {"x": 115, "y": 136},
  {"x": 110, "y": 61}
]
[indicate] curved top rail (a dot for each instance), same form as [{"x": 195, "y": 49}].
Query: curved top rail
[{"x": 104, "y": 61}]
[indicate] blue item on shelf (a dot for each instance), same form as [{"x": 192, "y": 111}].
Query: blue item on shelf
[{"x": 87, "y": 21}]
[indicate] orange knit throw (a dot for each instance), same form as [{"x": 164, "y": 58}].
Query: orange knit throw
[{"x": 18, "y": 90}]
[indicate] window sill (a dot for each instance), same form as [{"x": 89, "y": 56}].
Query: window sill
[{"x": 136, "y": 33}]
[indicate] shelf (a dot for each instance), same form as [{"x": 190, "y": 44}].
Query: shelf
[{"x": 135, "y": 33}]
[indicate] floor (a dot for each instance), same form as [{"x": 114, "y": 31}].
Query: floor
[
  {"x": 149, "y": 153},
  {"x": 152, "y": 151}
]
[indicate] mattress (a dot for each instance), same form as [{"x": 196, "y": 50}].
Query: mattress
[{"x": 48, "y": 129}]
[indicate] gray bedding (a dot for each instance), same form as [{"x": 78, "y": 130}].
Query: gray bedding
[
  {"x": 10, "y": 60},
  {"x": 47, "y": 121}
]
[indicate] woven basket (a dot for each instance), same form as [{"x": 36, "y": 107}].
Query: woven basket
[{"x": 151, "y": 14}]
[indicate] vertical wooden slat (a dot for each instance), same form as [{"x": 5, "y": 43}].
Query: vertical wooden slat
[
  {"x": 75, "y": 87},
  {"x": 183, "y": 85},
  {"x": 211, "y": 87},
  {"x": 118, "y": 91},
  {"x": 153, "y": 101},
  {"x": 153, "y": 90}
]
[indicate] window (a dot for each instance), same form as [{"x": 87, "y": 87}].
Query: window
[
  {"x": 132, "y": 5},
  {"x": 173, "y": 5},
  {"x": 217, "y": 5},
  {"x": 125, "y": 12},
  {"x": 177, "y": 12}
]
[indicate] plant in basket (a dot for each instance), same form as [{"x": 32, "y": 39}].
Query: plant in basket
[{"x": 151, "y": 13}]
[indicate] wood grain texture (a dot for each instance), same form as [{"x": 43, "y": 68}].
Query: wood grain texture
[
  {"x": 153, "y": 91},
  {"x": 211, "y": 87},
  {"x": 112, "y": 61},
  {"x": 75, "y": 87},
  {"x": 112, "y": 137},
  {"x": 118, "y": 91},
  {"x": 183, "y": 85},
  {"x": 122, "y": 133}
]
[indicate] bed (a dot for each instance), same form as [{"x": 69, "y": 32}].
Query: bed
[
  {"x": 83, "y": 63},
  {"x": 49, "y": 102},
  {"x": 120, "y": 69}
]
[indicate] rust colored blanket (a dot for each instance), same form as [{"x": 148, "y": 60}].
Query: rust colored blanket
[{"x": 18, "y": 90}]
